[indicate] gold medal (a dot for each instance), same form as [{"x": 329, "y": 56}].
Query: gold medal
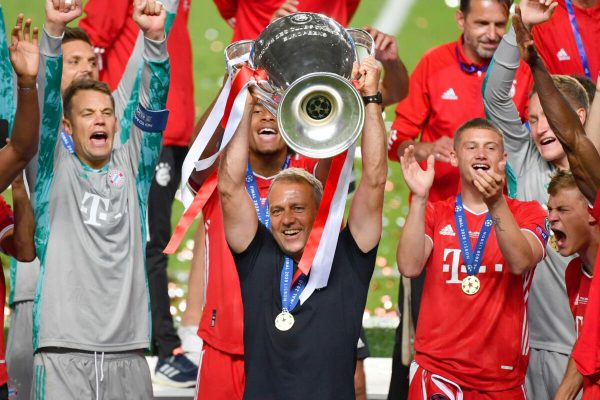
[
  {"x": 284, "y": 321},
  {"x": 553, "y": 243},
  {"x": 471, "y": 285}
]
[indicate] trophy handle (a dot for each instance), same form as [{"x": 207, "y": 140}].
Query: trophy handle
[
  {"x": 362, "y": 39},
  {"x": 236, "y": 54}
]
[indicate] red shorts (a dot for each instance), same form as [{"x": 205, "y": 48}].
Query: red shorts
[
  {"x": 591, "y": 387},
  {"x": 425, "y": 385},
  {"x": 220, "y": 376}
]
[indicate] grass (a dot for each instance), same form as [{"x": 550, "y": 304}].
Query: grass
[{"x": 429, "y": 23}]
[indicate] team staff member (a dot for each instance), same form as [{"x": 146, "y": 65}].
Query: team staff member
[
  {"x": 91, "y": 309},
  {"x": 583, "y": 160},
  {"x": 568, "y": 43},
  {"x": 114, "y": 35},
  {"x": 577, "y": 233},
  {"x": 283, "y": 358},
  {"x": 534, "y": 154},
  {"x": 471, "y": 339}
]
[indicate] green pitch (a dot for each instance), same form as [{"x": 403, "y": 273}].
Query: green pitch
[{"x": 429, "y": 23}]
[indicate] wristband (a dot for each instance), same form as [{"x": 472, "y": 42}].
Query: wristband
[{"x": 377, "y": 99}]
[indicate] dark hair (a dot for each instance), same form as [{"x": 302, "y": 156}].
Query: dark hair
[
  {"x": 573, "y": 91},
  {"x": 588, "y": 85},
  {"x": 477, "y": 123},
  {"x": 73, "y": 34},
  {"x": 83, "y": 84},
  {"x": 465, "y": 5}
]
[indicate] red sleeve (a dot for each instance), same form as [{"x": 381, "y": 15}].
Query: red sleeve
[
  {"x": 6, "y": 218},
  {"x": 227, "y": 8},
  {"x": 530, "y": 216},
  {"x": 412, "y": 112},
  {"x": 308, "y": 164},
  {"x": 572, "y": 281},
  {"x": 103, "y": 27},
  {"x": 352, "y": 6}
]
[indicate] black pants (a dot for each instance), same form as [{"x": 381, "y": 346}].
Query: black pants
[
  {"x": 166, "y": 180},
  {"x": 400, "y": 382}
]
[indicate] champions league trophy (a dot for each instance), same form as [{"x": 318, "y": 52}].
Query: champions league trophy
[{"x": 307, "y": 59}]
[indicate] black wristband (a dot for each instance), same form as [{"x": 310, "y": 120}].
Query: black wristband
[{"x": 377, "y": 99}]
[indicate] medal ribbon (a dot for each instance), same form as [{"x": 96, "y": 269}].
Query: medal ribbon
[
  {"x": 252, "y": 188},
  {"x": 471, "y": 259},
  {"x": 290, "y": 293},
  {"x": 578, "y": 40}
]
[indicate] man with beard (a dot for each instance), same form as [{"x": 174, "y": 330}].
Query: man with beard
[{"x": 444, "y": 92}]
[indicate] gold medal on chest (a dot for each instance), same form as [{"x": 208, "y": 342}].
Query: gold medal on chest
[
  {"x": 284, "y": 321},
  {"x": 470, "y": 285}
]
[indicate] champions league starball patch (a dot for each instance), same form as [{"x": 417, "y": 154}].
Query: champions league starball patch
[{"x": 116, "y": 178}]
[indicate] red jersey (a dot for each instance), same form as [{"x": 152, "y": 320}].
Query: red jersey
[
  {"x": 115, "y": 33},
  {"x": 6, "y": 224},
  {"x": 578, "y": 289},
  {"x": 442, "y": 96},
  {"x": 252, "y": 16},
  {"x": 555, "y": 40},
  {"x": 586, "y": 351},
  {"x": 222, "y": 322},
  {"x": 479, "y": 341}
]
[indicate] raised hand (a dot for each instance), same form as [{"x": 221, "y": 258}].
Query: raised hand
[
  {"x": 385, "y": 45},
  {"x": 419, "y": 181},
  {"x": 441, "y": 149},
  {"x": 524, "y": 39},
  {"x": 24, "y": 52},
  {"x": 534, "y": 12},
  {"x": 288, "y": 7},
  {"x": 150, "y": 16},
  {"x": 59, "y": 13},
  {"x": 490, "y": 183},
  {"x": 368, "y": 82}
]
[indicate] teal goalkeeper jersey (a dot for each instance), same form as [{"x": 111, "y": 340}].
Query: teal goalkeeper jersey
[{"x": 92, "y": 291}]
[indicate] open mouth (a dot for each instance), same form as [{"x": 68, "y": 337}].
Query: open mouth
[
  {"x": 560, "y": 237},
  {"x": 547, "y": 140},
  {"x": 482, "y": 167},
  {"x": 99, "y": 139},
  {"x": 291, "y": 232},
  {"x": 267, "y": 131}
]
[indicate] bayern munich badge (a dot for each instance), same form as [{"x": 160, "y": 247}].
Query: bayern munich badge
[
  {"x": 284, "y": 321},
  {"x": 471, "y": 285},
  {"x": 116, "y": 178}
]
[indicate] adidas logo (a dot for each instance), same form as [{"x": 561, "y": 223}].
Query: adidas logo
[
  {"x": 562, "y": 55},
  {"x": 449, "y": 95},
  {"x": 447, "y": 231}
]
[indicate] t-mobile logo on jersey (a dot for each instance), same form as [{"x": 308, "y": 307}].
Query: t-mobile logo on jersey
[
  {"x": 452, "y": 256},
  {"x": 93, "y": 212}
]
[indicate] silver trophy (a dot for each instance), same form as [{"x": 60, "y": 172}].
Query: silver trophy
[{"x": 308, "y": 62}]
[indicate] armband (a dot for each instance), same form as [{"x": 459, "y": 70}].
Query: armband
[{"x": 150, "y": 120}]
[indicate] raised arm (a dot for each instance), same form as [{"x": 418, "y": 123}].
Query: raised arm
[
  {"x": 592, "y": 124},
  {"x": 25, "y": 58},
  {"x": 581, "y": 152},
  {"x": 414, "y": 248},
  {"x": 239, "y": 216},
  {"x": 24, "y": 230},
  {"x": 366, "y": 209},
  {"x": 394, "y": 86}
]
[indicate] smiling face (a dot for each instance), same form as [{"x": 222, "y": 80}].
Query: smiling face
[
  {"x": 91, "y": 122},
  {"x": 570, "y": 221},
  {"x": 475, "y": 149},
  {"x": 79, "y": 62},
  {"x": 265, "y": 138},
  {"x": 483, "y": 25},
  {"x": 545, "y": 140},
  {"x": 293, "y": 209}
]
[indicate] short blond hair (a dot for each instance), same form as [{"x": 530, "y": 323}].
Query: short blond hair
[{"x": 299, "y": 175}]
